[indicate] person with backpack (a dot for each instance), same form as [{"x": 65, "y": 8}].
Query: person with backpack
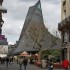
[
  {"x": 50, "y": 64},
  {"x": 20, "y": 62},
  {"x": 7, "y": 61},
  {"x": 25, "y": 61}
]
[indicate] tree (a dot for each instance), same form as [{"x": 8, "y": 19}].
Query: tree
[{"x": 37, "y": 35}]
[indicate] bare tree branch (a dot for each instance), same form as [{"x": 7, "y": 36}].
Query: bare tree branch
[
  {"x": 37, "y": 35},
  {"x": 54, "y": 39}
]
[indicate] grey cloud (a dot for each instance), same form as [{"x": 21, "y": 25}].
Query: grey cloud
[
  {"x": 53, "y": 1},
  {"x": 51, "y": 19},
  {"x": 27, "y": 0},
  {"x": 17, "y": 10},
  {"x": 12, "y": 38},
  {"x": 12, "y": 27},
  {"x": 49, "y": 1}
]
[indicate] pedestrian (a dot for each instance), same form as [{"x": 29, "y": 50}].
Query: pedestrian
[
  {"x": 50, "y": 64},
  {"x": 25, "y": 61},
  {"x": 65, "y": 64},
  {"x": 20, "y": 62},
  {"x": 7, "y": 61},
  {"x": 17, "y": 60},
  {"x": 0, "y": 60}
]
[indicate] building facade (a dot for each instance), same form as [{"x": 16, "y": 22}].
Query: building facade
[
  {"x": 65, "y": 9},
  {"x": 2, "y": 10},
  {"x": 64, "y": 27},
  {"x": 3, "y": 39}
]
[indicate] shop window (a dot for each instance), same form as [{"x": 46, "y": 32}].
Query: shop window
[
  {"x": 69, "y": 35},
  {"x": 63, "y": 37},
  {"x": 64, "y": 13}
]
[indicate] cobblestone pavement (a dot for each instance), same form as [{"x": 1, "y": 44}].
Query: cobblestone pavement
[{"x": 16, "y": 67}]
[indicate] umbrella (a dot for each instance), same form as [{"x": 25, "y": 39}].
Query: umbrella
[
  {"x": 24, "y": 54},
  {"x": 37, "y": 55}
]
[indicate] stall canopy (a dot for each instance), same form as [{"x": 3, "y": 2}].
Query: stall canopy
[{"x": 24, "y": 54}]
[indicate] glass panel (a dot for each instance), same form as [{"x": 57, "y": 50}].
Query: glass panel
[
  {"x": 65, "y": 37},
  {"x": 39, "y": 6}
]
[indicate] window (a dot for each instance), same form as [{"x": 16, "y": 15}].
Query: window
[
  {"x": 64, "y": 2},
  {"x": 65, "y": 37},
  {"x": 64, "y": 13},
  {"x": 69, "y": 35}
]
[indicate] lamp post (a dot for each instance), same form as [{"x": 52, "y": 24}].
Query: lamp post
[{"x": 1, "y": 27}]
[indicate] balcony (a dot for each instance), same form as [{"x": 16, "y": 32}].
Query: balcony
[
  {"x": 2, "y": 9},
  {"x": 64, "y": 24}
]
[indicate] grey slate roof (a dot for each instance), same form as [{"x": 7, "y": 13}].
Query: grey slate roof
[
  {"x": 29, "y": 17},
  {"x": 48, "y": 42},
  {"x": 34, "y": 18}
]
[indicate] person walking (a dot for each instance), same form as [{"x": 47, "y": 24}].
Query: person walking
[
  {"x": 7, "y": 62},
  {"x": 20, "y": 62},
  {"x": 65, "y": 64},
  {"x": 50, "y": 64},
  {"x": 25, "y": 61}
]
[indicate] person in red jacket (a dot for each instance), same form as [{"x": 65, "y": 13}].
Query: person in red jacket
[{"x": 65, "y": 64}]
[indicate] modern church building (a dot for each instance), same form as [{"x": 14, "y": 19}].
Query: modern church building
[{"x": 34, "y": 35}]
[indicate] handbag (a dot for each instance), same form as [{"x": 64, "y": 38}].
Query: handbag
[{"x": 51, "y": 66}]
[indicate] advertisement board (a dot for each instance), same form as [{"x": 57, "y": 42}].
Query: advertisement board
[
  {"x": 2, "y": 37},
  {"x": 3, "y": 49}
]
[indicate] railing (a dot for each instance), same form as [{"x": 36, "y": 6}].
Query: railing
[
  {"x": 63, "y": 23},
  {"x": 2, "y": 9}
]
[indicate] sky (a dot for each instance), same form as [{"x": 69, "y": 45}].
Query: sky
[{"x": 16, "y": 14}]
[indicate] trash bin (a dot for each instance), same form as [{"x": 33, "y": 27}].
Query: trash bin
[{"x": 43, "y": 63}]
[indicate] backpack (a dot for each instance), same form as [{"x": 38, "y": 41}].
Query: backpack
[
  {"x": 25, "y": 61},
  {"x": 20, "y": 61}
]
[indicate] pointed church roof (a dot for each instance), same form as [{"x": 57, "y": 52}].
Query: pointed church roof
[
  {"x": 34, "y": 18},
  {"x": 29, "y": 16},
  {"x": 34, "y": 15}
]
